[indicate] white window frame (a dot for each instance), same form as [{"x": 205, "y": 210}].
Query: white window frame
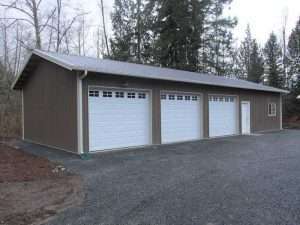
[{"x": 273, "y": 109}]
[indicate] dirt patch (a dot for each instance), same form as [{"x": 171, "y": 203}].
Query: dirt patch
[
  {"x": 16, "y": 165},
  {"x": 33, "y": 189}
]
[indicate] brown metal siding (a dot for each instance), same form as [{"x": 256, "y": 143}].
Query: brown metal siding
[
  {"x": 50, "y": 107},
  {"x": 260, "y": 121},
  {"x": 259, "y": 101}
]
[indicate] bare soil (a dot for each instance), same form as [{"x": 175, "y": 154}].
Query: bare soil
[{"x": 33, "y": 189}]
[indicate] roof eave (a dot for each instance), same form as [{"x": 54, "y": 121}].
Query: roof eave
[
  {"x": 43, "y": 56},
  {"x": 277, "y": 90}
]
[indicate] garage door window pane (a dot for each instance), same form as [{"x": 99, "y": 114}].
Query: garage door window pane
[
  {"x": 107, "y": 94},
  {"x": 142, "y": 95},
  {"x": 180, "y": 97},
  {"x": 163, "y": 97},
  {"x": 194, "y": 98},
  {"x": 187, "y": 98},
  {"x": 131, "y": 95},
  {"x": 171, "y": 97},
  {"x": 119, "y": 94},
  {"x": 94, "y": 93}
]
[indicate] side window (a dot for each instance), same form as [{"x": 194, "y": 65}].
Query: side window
[{"x": 272, "y": 109}]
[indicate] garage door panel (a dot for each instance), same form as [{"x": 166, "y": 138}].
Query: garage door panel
[
  {"x": 119, "y": 122},
  {"x": 180, "y": 118},
  {"x": 223, "y": 116}
]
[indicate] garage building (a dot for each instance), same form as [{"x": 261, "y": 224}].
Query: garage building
[{"x": 81, "y": 104}]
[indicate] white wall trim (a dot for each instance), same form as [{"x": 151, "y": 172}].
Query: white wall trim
[
  {"x": 79, "y": 115},
  {"x": 280, "y": 106}
]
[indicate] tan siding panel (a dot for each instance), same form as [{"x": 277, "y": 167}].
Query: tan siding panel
[{"x": 50, "y": 107}]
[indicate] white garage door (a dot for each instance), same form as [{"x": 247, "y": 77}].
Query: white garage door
[
  {"x": 118, "y": 119},
  {"x": 223, "y": 117},
  {"x": 180, "y": 117}
]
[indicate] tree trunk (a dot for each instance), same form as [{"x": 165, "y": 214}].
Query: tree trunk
[
  {"x": 104, "y": 27},
  {"x": 38, "y": 43},
  {"x": 139, "y": 30}
]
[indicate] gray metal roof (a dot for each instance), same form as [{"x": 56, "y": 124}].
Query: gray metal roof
[{"x": 104, "y": 66}]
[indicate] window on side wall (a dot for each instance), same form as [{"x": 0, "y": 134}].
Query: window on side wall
[{"x": 272, "y": 109}]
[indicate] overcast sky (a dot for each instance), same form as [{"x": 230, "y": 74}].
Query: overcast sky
[{"x": 264, "y": 16}]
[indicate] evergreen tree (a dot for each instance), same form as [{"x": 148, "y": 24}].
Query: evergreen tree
[
  {"x": 251, "y": 59},
  {"x": 178, "y": 30},
  {"x": 245, "y": 54},
  {"x": 131, "y": 40},
  {"x": 273, "y": 62},
  {"x": 294, "y": 52},
  {"x": 218, "y": 38},
  {"x": 187, "y": 34},
  {"x": 256, "y": 69}
]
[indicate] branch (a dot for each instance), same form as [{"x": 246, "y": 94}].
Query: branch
[
  {"x": 14, "y": 6},
  {"x": 38, "y": 4},
  {"x": 42, "y": 27},
  {"x": 17, "y": 19},
  {"x": 69, "y": 27}
]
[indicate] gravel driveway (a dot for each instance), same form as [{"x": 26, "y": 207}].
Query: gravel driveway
[{"x": 239, "y": 180}]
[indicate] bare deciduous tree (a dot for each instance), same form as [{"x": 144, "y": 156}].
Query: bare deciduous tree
[{"x": 29, "y": 11}]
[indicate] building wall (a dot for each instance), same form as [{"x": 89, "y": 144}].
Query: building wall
[
  {"x": 50, "y": 107},
  {"x": 259, "y": 101}
]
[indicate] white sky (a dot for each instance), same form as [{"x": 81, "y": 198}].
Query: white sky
[{"x": 264, "y": 16}]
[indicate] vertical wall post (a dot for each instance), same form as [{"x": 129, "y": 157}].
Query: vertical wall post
[
  {"x": 23, "y": 126},
  {"x": 79, "y": 115},
  {"x": 280, "y": 105}
]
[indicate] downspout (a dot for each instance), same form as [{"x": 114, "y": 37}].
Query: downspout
[
  {"x": 79, "y": 112},
  {"x": 280, "y": 99},
  {"x": 23, "y": 126}
]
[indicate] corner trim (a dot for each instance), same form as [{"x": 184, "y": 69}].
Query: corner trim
[
  {"x": 79, "y": 115},
  {"x": 23, "y": 125},
  {"x": 280, "y": 113}
]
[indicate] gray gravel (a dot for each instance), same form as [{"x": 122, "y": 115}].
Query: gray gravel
[{"x": 244, "y": 180}]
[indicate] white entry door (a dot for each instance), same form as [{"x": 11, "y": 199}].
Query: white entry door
[
  {"x": 118, "y": 119},
  {"x": 223, "y": 116},
  {"x": 246, "y": 118},
  {"x": 181, "y": 117}
]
